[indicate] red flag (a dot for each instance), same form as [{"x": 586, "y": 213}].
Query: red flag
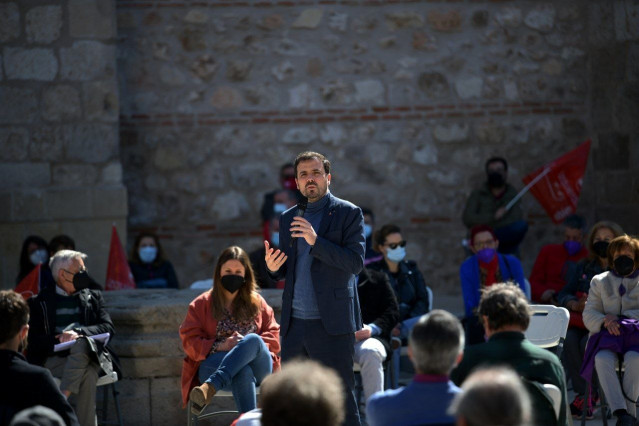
[
  {"x": 30, "y": 285},
  {"x": 119, "y": 275},
  {"x": 559, "y": 183}
]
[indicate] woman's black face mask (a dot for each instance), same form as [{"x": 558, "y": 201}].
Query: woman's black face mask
[{"x": 232, "y": 283}]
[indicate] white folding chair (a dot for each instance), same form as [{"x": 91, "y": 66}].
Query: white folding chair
[
  {"x": 555, "y": 394},
  {"x": 548, "y": 327}
]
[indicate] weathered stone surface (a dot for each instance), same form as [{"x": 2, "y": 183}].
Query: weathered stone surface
[
  {"x": 300, "y": 135},
  {"x": 445, "y": 21},
  {"x": 18, "y": 105},
  {"x": 109, "y": 201},
  {"x": 613, "y": 152},
  {"x": 626, "y": 20},
  {"x": 169, "y": 158},
  {"x": 30, "y": 64},
  {"x": 226, "y": 98},
  {"x": 196, "y": 16},
  {"x": 47, "y": 143},
  {"x": 491, "y": 132},
  {"x": 24, "y": 175},
  {"x": 300, "y": 96},
  {"x": 509, "y": 17},
  {"x": 74, "y": 174},
  {"x": 283, "y": 71},
  {"x": 43, "y": 24},
  {"x": 541, "y": 18},
  {"x": 480, "y": 18},
  {"x": 370, "y": 92},
  {"x": 92, "y": 19},
  {"x": 87, "y": 60},
  {"x": 434, "y": 85},
  {"x": 72, "y": 203},
  {"x": 101, "y": 101},
  {"x": 338, "y": 21},
  {"x": 454, "y": 132},
  {"x": 229, "y": 206},
  {"x": 552, "y": 67},
  {"x": 171, "y": 75},
  {"x": 60, "y": 102},
  {"x": 309, "y": 19},
  {"x": 510, "y": 90},
  {"x": 425, "y": 155},
  {"x": 271, "y": 22},
  {"x": 9, "y": 21},
  {"x": 112, "y": 173},
  {"x": 397, "y": 20},
  {"x": 138, "y": 368},
  {"x": 204, "y": 67},
  {"x": 28, "y": 204},
  {"x": 15, "y": 143},
  {"x": 92, "y": 143},
  {"x": 333, "y": 134},
  {"x": 165, "y": 396},
  {"x": 424, "y": 41},
  {"x": 469, "y": 87},
  {"x": 238, "y": 70}
]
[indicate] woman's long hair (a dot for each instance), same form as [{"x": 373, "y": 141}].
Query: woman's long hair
[
  {"x": 614, "y": 228},
  {"x": 246, "y": 304},
  {"x": 25, "y": 263}
]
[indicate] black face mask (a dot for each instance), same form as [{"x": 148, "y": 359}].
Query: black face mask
[
  {"x": 232, "y": 283},
  {"x": 624, "y": 265},
  {"x": 601, "y": 248},
  {"x": 82, "y": 280},
  {"x": 496, "y": 180}
]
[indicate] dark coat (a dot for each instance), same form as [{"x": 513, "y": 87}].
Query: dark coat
[
  {"x": 148, "y": 272},
  {"x": 25, "y": 385},
  {"x": 378, "y": 303},
  {"x": 338, "y": 256},
  {"x": 94, "y": 319},
  {"x": 409, "y": 286}
]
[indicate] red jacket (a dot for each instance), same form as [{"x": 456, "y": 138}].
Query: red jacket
[
  {"x": 548, "y": 271},
  {"x": 198, "y": 334}
]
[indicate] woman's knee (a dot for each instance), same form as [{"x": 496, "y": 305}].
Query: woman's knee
[{"x": 245, "y": 375}]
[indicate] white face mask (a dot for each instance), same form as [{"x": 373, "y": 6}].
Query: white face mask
[{"x": 39, "y": 256}]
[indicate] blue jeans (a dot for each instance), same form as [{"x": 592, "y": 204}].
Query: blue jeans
[
  {"x": 404, "y": 328},
  {"x": 239, "y": 370}
]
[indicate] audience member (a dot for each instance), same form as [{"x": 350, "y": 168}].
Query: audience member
[
  {"x": 380, "y": 314},
  {"x": 573, "y": 297},
  {"x": 435, "y": 347},
  {"x": 505, "y": 313},
  {"x": 613, "y": 297},
  {"x": 24, "y": 385},
  {"x": 548, "y": 275},
  {"x": 287, "y": 182},
  {"x": 492, "y": 396},
  {"x": 61, "y": 242},
  {"x": 262, "y": 276},
  {"x": 487, "y": 206},
  {"x": 35, "y": 251},
  {"x": 485, "y": 268},
  {"x": 304, "y": 393},
  {"x": 283, "y": 200},
  {"x": 230, "y": 336},
  {"x": 148, "y": 263},
  {"x": 371, "y": 254},
  {"x": 70, "y": 312}
]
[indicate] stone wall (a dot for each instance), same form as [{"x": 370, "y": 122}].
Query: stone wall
[
  {"x": 406, "y": 98},
  {"x": 60, "y": 170}
]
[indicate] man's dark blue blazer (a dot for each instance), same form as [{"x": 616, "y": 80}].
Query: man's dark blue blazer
[{"x": 338, "y": 256}]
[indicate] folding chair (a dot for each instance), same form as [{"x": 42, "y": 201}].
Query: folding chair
[
  {"x": 193, "y": 419},
  {"x": 548, "y": 327},
  {"x": 109, "y": 380}
]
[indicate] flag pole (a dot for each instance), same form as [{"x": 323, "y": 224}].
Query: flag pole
[{"x": 527, "y": 188}]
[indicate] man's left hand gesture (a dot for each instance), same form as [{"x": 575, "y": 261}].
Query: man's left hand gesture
[{"x": 302, "y": 228}]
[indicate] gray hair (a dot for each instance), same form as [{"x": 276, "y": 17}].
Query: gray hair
[
  {"x": 436, "y": 342},
  {"x": 493, "y": 396},
  {"x": 63, "y": 259}
]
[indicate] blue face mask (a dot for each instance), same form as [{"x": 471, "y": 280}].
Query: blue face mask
[
  {"x": 368, "y": 230},
  {"x": 148, "y": 254},
  {"x": 279, "y": 208},
  {"x": 485, "y": 255},
  {"x": 396, "y": 255},
  {"x": 275, "y": 238}
]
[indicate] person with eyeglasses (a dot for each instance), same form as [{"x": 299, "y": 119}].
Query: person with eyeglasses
[
  {"x": 483, "y": 269},
  {"x": 404, "y": 275}
]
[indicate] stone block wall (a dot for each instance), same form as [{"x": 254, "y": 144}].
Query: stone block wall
[
  {"x": 407, "y": 99},
  {"x": 60, "y": 171}
]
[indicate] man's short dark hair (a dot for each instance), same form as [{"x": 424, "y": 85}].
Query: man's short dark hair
[
  {"x": 379, "y": 237},
  {"x": 14, "y": 314},
  {"x": 575, "y": 221},
  {"x": 311, "y": 155},
  {"x": 501, "y": 160},
  {"x": 61, "y": 241},
  {"x": 368, "y": 211},
  {"x": 303, "y": 393},
  {"x": 284, "y": 167},
  {"x": 436, "y": 341},
  {"x": 504, "y": 304}
]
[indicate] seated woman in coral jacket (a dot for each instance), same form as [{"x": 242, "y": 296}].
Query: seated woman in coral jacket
[{"x": 230, "y": 337}]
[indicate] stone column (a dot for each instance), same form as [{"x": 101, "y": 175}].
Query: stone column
[{"x": 60, "y": 171}]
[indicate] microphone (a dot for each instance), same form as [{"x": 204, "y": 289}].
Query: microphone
[{"x": 301, "y": 209}]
